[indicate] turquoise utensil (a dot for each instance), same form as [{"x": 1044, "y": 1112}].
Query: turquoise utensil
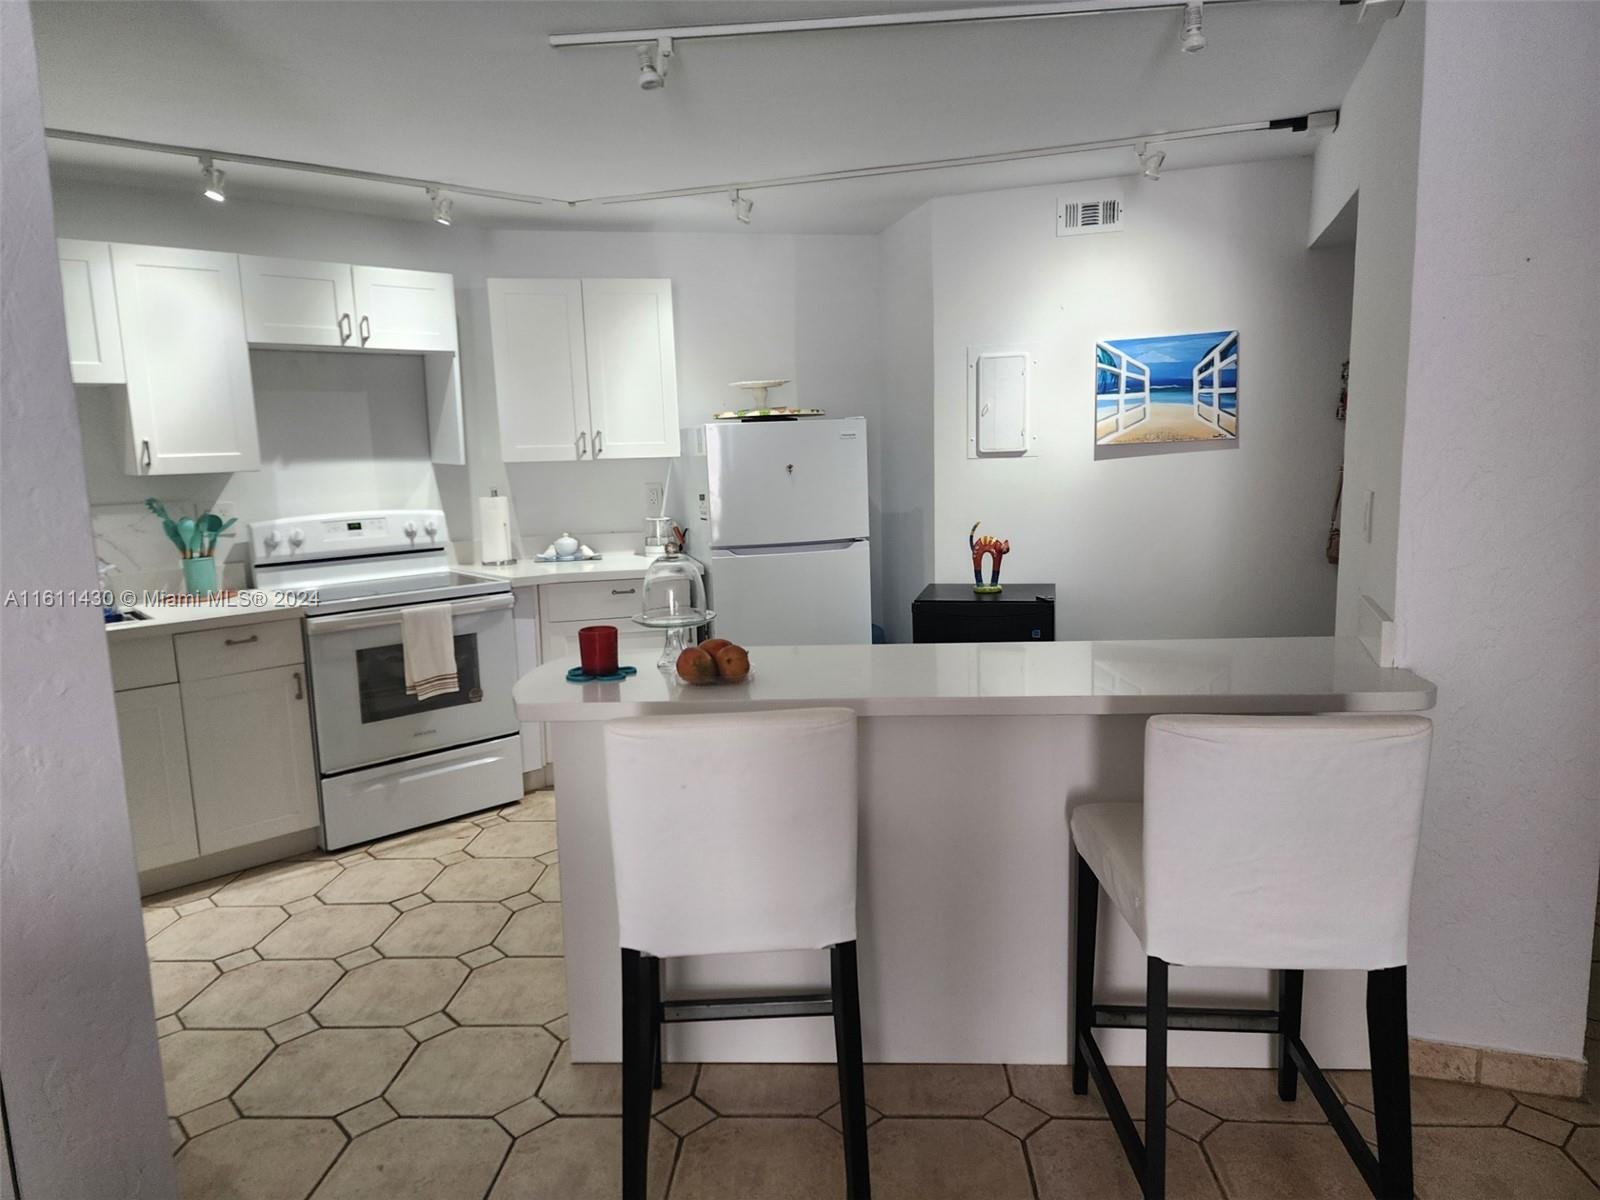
[{"x": 186, "y": 532}]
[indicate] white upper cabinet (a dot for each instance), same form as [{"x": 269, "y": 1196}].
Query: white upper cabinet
[
  {"x": 405, "y": 310},
  {"x": 94, "y": 338},
  {"x": 633, "y": 374},
  {"x": 584, "y": 369},
  {"x": 190, "y": 401},
  {"x": 295, "y": 302},
  {"x": 540, "y": 370}
]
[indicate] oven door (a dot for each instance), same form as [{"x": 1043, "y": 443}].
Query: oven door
[{"x": 358, "y": 685}]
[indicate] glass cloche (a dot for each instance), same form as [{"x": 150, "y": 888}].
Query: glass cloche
[{"x": 674, "y": 594}]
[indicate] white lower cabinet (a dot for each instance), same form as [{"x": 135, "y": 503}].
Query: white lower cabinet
[
  {"x": 155, "y": 769},
  {"x": 559, "y": 639},
  {"x": 250, "y": 756}
]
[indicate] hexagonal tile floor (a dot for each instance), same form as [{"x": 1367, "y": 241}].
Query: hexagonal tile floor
[{"x": 390, "y": 1022}]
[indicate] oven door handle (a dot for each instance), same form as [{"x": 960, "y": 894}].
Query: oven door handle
[{"x": 346, "y": 622}]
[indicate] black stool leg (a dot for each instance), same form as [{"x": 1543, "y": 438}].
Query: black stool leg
[
  {"x": 638, "y": 1024},
  {"x": 657, "y": 1032},
  {"x": 852, "y": 1076},
  {"x": 1391, "y": 1080},
  {"x": 1155, "y": 1082},
  {"x": 1086, "y": 920},
  {"x": 1291, "y": 992}
]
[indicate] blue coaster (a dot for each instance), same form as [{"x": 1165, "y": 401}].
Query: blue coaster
[{"x": 576, "y": 675}]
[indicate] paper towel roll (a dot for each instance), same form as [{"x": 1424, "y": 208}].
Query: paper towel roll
[{"x": 494, "y": 525}]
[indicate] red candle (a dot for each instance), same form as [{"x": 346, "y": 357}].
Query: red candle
[{"x": 597, "y": 649}]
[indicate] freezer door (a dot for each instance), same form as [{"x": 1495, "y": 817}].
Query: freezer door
[
  {"x": 818, "y": 596},
  {"x": 784, "y": 482}
]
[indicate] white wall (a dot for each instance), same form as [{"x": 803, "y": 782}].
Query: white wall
[
  {"x": 1371, "y": 160},
  {"x": 1498, "y": 591},
  {"x": 83, "y": 1095},
  {"x": 1215, "y": 540}
]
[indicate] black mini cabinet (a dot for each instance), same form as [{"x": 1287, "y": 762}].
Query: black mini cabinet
[{"x": 953, "y": 612}]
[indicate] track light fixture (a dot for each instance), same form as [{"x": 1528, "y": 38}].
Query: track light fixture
[
  {"x": 216, "y": 180},
  {"x": 1150, "y": 160},
  {"x": 653, "y": 63},
  {"x": 442, "y": 205},
  {"x": 1194, "y": 38},
  {"x": 743, "y": 206}
]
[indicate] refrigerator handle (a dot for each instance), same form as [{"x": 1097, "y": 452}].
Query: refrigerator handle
[{"x": 789, "y": 548}]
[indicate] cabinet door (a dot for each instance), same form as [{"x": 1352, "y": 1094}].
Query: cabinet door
[
  {"x": 294, "y": 302},
  {"x": 155, "y": 770},
  {"x": 541, "y": 377},
  {"x": 559, "y": 639},
  {"x": 94, "y": 338},
  {"x": 250, "y": 756},
  {"x": 633, "y": 373},
  {"x": 190, "y": 403},
  {"x": 404, "y": 310}
]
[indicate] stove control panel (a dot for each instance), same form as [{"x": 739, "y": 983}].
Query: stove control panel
[{"x": 346, "y": 535}]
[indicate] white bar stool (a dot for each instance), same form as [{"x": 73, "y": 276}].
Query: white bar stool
[
  {"x": 734, "y": 834},
  {"x": 1280, "y": 842}
]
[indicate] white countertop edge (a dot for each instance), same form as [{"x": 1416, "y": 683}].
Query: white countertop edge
[
  {"x": 527, "y": 571},
  {"x": 181, "y": 618}
]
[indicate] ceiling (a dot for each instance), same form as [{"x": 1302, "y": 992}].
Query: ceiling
[{"x": 472, "y": 92}]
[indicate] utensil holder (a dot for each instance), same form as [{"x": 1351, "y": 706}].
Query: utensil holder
[{"x": 200, "y": 575}]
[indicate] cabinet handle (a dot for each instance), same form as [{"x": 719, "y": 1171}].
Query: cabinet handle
[
  {"x": 244, "y": 641},
  {"x": 597, "y": 447},
  {"x": 622, "y": 591},
  {"x": 344, "y": 328},
  {"x": 366, "y": 330},
  {"x": 583, "y": 442},
  {"x": 144, "y": 456},
  {"x": 299, "y": 688}
]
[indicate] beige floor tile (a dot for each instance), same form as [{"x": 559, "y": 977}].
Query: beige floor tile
[
  {"x": 157, "y": 919},
  {"x": 1579, "y": 1112},
  {"x": 595, "y": 1089},
  {"x": 358, "y": 958},
  {"x": 516, "y": 839},
  {"x": 1494, "y": 1164},
  {"x": 1083, "y": 1160},
  {"x": 443, "y": 930},
  {"x": 1540, "y": 1125},
  {"x": 686, "y": 1116},
  {"x": 392, "y": 991},
  {"x": 287, "y": 1031},
  {"x": 772, "y": 1159},
  {"x": 204, "y": 1066},
  {"x": 1194, "y": 1123},
  {"x": 174, "y": 984},
  {"x": 434, "y": 842},
  {"x": 1049, "y": 1089},
  {"x": 182, "y": 895},
  {"x": 535, "y": 806},
  {"x": 520, "y": 901},
  {"x": 258, "y": 1160},
  {"x": 944, "y": 1160},
  {"x": 202, "y": 1120},
  {"x": 768, "y": 1089},
  {"x": 549, "y": 885},
  {"x": 430, "y": 1027},
  {"x": 830, "y": 1118},
  {"x": 327, "y": 932},
  {"x": 379, "y": 882},
  {"x": 280, "y": 883},
  {"x": 1584, "y": 1147},
  {"x": 260, "y": 995},
  {"x": 365, "y": 1117},
  {"x": 176, "y": 1134},
  {"x": 1016, "y": 1117},
  {"x": 532, "y": 931},
  {"x": 485, "y": 879},
  {"x": 935, "y": 1089},
  {"x": 579, "y": 1160},
  {"x": 513, "y": 991},
  {"x": 472, "y": 1072},
  {"x": 1242, "y": 1095},
  {"x": 325, "y": 1073},
  {"x": 1433, "y": 1101},
  {"x": 427, "y": 1160},
  {"x": 519, "y": 1118},
  {"x": 1272, "y": 1162},
  {"x": 215, "y": 933},
  {"x": 482, "y": 956}
]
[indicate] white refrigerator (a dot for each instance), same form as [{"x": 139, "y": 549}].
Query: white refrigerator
[{"x": 783, "y": 520}]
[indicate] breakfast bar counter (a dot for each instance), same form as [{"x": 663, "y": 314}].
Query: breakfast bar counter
[{"x": 971, "y": 756}]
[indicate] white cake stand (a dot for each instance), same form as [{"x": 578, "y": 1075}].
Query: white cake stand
[{"x": 679, "y": 627}]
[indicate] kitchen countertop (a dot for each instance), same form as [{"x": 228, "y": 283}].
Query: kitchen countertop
[
  {"x": 245, "y": 608},
  {"x": 1245, "y": 675},
  {"x": 613, "y": 565}
]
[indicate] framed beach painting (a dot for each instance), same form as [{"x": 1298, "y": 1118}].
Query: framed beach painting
[{"x": 1179, "y": 388}]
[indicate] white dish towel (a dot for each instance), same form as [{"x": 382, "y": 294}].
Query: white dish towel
[{"x": 427, "y": 638}]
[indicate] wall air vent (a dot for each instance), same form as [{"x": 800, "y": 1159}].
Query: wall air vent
[{"x": 1099, "y": 214}]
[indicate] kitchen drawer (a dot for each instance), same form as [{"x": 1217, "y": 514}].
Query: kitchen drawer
[
  {"x": 138, "y": 662},
  {"x": 237, "y": 648},
  {"x": 589, "y": 601},
  {"x": 559, "y": 639}
]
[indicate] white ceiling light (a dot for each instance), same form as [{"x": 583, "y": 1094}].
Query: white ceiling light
[
  {"x": 442, "y": 205},
  {"x": 743, "y": 206},
  {"x": 1150, "y": 161},
  {"x": 216, "y": 180},
  {"x": 1194, "y": 37},
  {"x": 653, "y": 63}
]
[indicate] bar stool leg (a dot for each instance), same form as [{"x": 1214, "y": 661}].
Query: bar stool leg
[
  {"x": 638, "y": 1024},
  {"x": 1087, "y": 923},
  {"x": 1291, "y": 992},
  {"x": 1391, "y": 1080},
  {"x": 1155, "y": 1081},
  {"x": 852, "y": 1076},
  {"x": 657, "y": 1031}
]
